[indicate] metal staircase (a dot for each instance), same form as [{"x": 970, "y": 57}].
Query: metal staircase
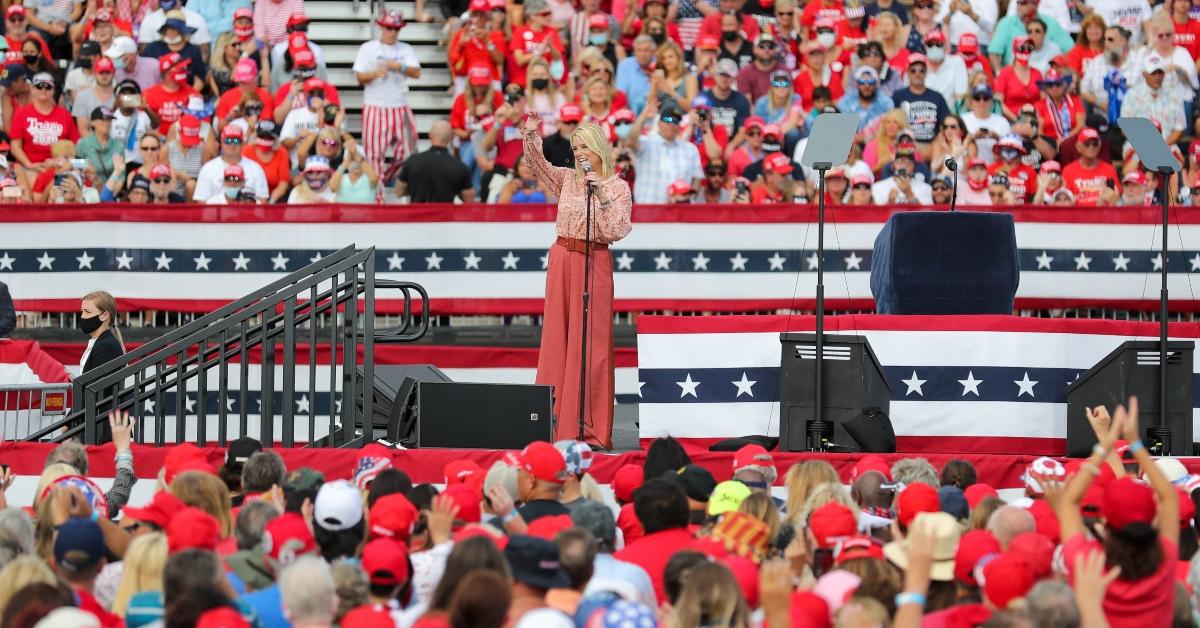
[{"x": 310, "y": 328}]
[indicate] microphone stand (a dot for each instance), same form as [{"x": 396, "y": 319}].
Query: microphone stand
[
  {"x": 953, "y": 167},
  {"x": 587, "y": 297}
]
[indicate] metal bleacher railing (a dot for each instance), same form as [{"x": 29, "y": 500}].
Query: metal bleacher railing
[{"x": 197, "y": 373}]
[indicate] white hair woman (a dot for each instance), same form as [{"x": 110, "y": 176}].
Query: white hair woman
[{"x": 580, "y": 261}]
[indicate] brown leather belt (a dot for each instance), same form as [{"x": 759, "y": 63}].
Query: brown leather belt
[{"x": 579, "y": 246}]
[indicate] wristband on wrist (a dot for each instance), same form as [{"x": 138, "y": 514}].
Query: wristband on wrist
[
  {"x": 1136, "y": 446},
  {"x": 1099, "y": 450},
  {"x": 95, "y": 515},
  {"x": 909, "y": 597},
  {"x": 512, "y": 514}
]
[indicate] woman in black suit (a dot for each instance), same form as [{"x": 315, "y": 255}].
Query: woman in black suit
[{"x": 98, "y": 319}]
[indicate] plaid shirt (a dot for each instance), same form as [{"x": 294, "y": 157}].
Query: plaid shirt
[{"x": 660, "y": 163}]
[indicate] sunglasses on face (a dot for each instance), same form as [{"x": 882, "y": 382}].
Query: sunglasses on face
[
  {"x": 43, "y": 86},
  {"x": 941, "y": 187},
  {"x": 934, "y": 44},
  {"x": 717, "y": 173},
  {"x": 754, "y": 133},
  {"x": 154, "y": 147},
  {"x": 1111, "y": 40},
  {"x": 783, "y": 13},
  {"x": 162, "y": 180},
  {"x": 233, "y": 179},
  {"x": 1092, "y": 143},
  {"x": 861, "y": 186},
  {"x": 866, "y": 82},
  {"x": 779, "y": 84},
  {"x": 863, "y": 53},
  {"x": 1026, "y": 48},
  {"x": 16, "y": 19},
  {"x": 232, "y": 140},
  {"x": 950, "y": 127},
  {"x": 669, "y": 119},
  {"x": 916, "y": 69},
  {"x": 329, "y": 142},
  {"x": 982, "y": 98},
  {"x": 766, "y": 45}
]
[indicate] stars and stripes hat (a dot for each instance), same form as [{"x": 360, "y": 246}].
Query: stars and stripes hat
[
  {"x": 374, "y": 459},
  {"x": 578, "y": 456},
  {"x": 1042, "y": 468},
  {"x": 391, "y": 18}
]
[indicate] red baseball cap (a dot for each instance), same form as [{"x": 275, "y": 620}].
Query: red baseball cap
[
  {"x": 679, "y": 188},
  {"x": 467, "y": 497},
  {"x": 978, "y": 492},
  {"x": 391, "y": 18},
  {"x": 297, "y": 19},
  {"x": 287, "y": 537},
  {"x": 159, "y": 511},
  {"x": 777, "y": 163},
  {"x": 189, "y": 130},
  {"x": 570, "y": 112},
  {"x": 1127, "y": 501},
  {"x": 915, "y": 499},
  {"x": 626, "y": 480},
  {"x": 171, "y": 60},
  {"x": 232, "y": 131},
  {"x": 479, "y": 75},
  {"x": 102, "y": 16},
  {"x": 598, "y": 20},
  {"x": 243, "y": 12},
  {"x": 751, "y": 456},
  {"x": 541, "y": 460},
  {"x": 1051, "y": 166},
  {"x": 392, "y": 516},
  {"x": 708, "y": 42},
  {"x": 461, "y": 472},
  {"x": 1136, "y": 177},
  {"x": 184, "y": 457},
  {"x": 1088, "y": 133},
  {"x": 870, "y": 463},
  {"x": 1037, "y": 550},
  {"x": 858, "y": 547},
  {"x": 486, "y": 531},
  {"x": 192, "y": 528},
  {"x": 479, "y": 6},
  {"x": 1018, "y": 41},
  {"x": 103, "y": 64},
  {"x": 1006, "y": 578},
  {"x": 754, "y": 122},
  {"x": 232, "y": 171},
  {"x": 160, "y": 170},
  {"x": 975, "y": 162},
  {"x": 935, "y": 35},
  {"x": 304, "y": 58},
  {"x": 620, "y": 115},
  {"x": 832, "y": 522},
  {"x": 973, "y": 547},
  {"x": 14, "y": 10},
  {"x": 917, "y": 57},
  {"x": 386, "y": 562},
  {"x": 549, "y": 527},
  {"x": 497, "y": 4},
  {"x": 968, "y": 42},
  {"x": 1187, "y": 507},
  {"x": 297, "y": 41},
  {"x": 809, "y": 609},
  {"x": 313, "y": 85},
  {"x": 772, "y": 130}
]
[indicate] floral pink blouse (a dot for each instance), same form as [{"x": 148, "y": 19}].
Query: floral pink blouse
[{"x": 608, "y": 225}]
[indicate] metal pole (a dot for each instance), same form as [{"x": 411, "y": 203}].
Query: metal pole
[
  {"x": 816, "y": 430},
  {"x": 1163, "y": 432}
]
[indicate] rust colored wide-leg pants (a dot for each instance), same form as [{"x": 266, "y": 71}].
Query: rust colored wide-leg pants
[{"x": 562, "y": 325}]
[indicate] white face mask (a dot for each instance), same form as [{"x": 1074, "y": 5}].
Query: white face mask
[
  {"x": 827, "y": 39},
  {"x": 172, "y": 41},
  {"x": 936, "y": 53}
]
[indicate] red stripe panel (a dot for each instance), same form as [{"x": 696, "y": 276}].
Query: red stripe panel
[
  {"x": 441, "y": 356},
  {"x": 41, "y": 360},
  {"x": 862, "y": 322},
  {"x": 425, "y": 465},
  {"x": 546, "y": 213}
]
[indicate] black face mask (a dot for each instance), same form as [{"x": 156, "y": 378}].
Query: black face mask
[
  {"x": 539, "y": 83},
  {"x": 31, "y": 59},
  {"x": 729, "y": 35},
  {"x": 659, "y": 38},
  {"x": 89, "y": 325}
]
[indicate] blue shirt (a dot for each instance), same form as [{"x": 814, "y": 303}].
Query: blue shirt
[
  {"x": 632, "y": 80},
  {"x": 850, "y": 103},
  {"x": 218, "y": 14},
  {"x": 268, "y": 606}
]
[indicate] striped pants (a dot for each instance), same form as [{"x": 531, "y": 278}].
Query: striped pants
[{"x": 386, "y": 128}]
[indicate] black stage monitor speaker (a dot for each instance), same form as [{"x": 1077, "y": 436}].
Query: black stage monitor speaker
[
  {"x": 853, "y": 381},
  {"x": 1132, "y": 370},
  {"x": 479, "y": 416},
  {"x": 393, "y": 387}
]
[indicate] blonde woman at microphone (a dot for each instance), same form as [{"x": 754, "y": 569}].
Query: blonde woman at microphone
[{"x": 567, "y": 268}]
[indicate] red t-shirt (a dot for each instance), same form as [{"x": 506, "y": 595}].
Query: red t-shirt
[
  {"x": 1051, "y": 122},
  {"x": 764, "y": 196},
  {"x": 712, "y": 26},
  {"x": 1087, "y": 183},
  {"x": 719, "y": 134},
  {"x": 88, "y": 602},
  {"x": 836, "y": 11},
  {"x": 651, "y": 552},
  {"x": 1015, "y": 92},
  {"x": 15, "y": 44},
  {"x": 39, "y": 132},
  {"x": 1138, "y": 603},
  {"x": 525, "y": 39},
  {"x": 740, "y": 159},
  {"x": 630, "y": 526},
  {"x": 278, "y": 168},
  {"x": 466, "y": 52},
  {"x": 460, "y": 117},
  {"x": 804, "y": 84},
  {"x": 169, "y": 105},
  {"x": 231, "y": 98},
  {"x": 1187, "y": 35},
  {"x": 1022, "y": 180},
  {"x": 281, "y": 97},
  {"x": 1078, "y": 56}
]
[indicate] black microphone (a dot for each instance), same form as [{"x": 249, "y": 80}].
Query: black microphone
[
  {"x": 587, "y": 169},
  {"x": 952, "y": 166}
]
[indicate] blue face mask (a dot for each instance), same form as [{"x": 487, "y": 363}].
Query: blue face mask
[
  {"x": 598, "y": 39},
  {"x": 231, "y": 192},
  {"x": 557, "y": 70},
  {"x": 119, "y": 63},
  {"x": 622, "y": 130}
]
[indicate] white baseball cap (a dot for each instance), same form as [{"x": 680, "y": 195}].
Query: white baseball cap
[
  {"x": 120, "y": 47},
  {"x": 338, "y": 506}
]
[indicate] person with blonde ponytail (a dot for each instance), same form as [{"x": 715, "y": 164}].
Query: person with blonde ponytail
[
  {"x": 98, "y": 319},
  {"x": 567, "y": 268}
]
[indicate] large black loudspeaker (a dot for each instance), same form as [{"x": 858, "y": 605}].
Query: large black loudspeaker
[
  {"x": 1132, "y": 369},
  {"x": 480, "y": 416},
  {"x": 945, "y": 263},
  {"x": 392, "y": 392},
  {"x": 853, "y": 382}
]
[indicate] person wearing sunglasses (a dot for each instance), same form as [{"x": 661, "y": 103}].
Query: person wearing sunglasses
[
  {"x": 1108, "y": 77},
  {"x": 266, "y": 151},
  {"x": 384, "y": 66},
  {"x": 1017, "y": 84},
  {"x": 754, "y": 78},
  {"x": 816, "y": 73},
  {"x": 1059, "y": 112},
  {"x": 734, "y": 44},
  {"x": 1154, "y": 99},
  {"x": 715, "y": 188},
  {"x": 925, "y": 108},
  {"x": 1180, "y": 67},
  {"x": 170, "y": 97},
  {"x": 162, "y": 186},
  {"x": 303, "y": 123},
  {"x": 1090, "y": 178},
  {"x": 984, "y": 125},
  {"x": 1016, "y": 24},
  {"x": 730, "y": 108},
  {"x": 865, "y": 100},
  {"x": 860, "y": 191},
  {"x": 663, "y": 157},
  {"x": 211, "y": 182},
  {"x": 782, "y": 106},
  {"x": 51, "y": 121},
  {"x": 903, "y": 186},
  {"x": 945, "y": 73}
]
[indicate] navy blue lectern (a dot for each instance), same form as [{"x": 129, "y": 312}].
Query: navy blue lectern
[{"x": 945, "y": 263}]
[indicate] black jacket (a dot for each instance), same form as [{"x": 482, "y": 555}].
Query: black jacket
[
  {"x": 8, "y": 314},
  {"x": 105, "y": 349}
]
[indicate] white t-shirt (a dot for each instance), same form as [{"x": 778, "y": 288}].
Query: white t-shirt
[
  {"x": 390, "y": 90},
  {"x": 154, "y": 20},
  {"x": 211, "y": 180},
  {"x": 123, "y": 126},
  {"x": 1129, "y": 14},
  {"x": 986, "y": 14},
  {"x": 994, "y": 123},
  {"x": 882, "y": 190},
  {"x": 949, "y": 79}
]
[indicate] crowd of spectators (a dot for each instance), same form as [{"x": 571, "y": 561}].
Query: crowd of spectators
[
  {"x": 535, "y": 542},
  {"x": 225, "y": 101}
]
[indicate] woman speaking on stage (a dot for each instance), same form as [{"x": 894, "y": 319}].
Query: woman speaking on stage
[{"x": 563, "y": 322}]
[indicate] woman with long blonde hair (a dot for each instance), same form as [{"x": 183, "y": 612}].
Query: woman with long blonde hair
[
  {"x": 597, "y": 99},
  {"x": 580, "y": 261},
  {"x": 20, "y": 572},
  {"x": 801, "y": 479},
  {"x": 882, "y": 150},
  {"x": 208, "y": 493},
  {"x": 710, "y": 597},
  {"x": 675, "y": 83},
  {"x": 142, "y": 569}
]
